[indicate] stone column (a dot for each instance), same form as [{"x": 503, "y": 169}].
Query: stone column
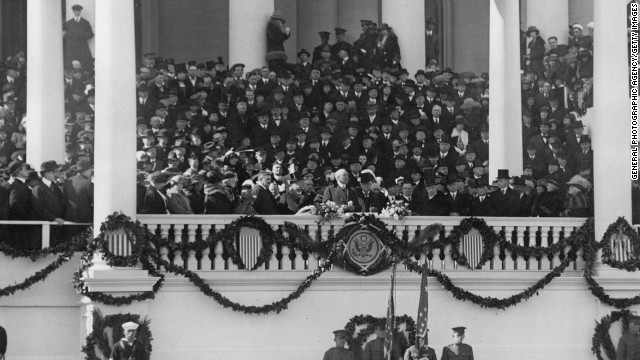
[
  {"x": 45, "y": 83},
  {"x": 611, "y": 107},
  {"x": 115, "y": 142},
  {"x": 406, "y": 17},
  {"x": 551, "y": 17},
  {"x": 505, "y": 139},
  {"x": 315, "y": 16},
  {"x": 247, "y": 32}
]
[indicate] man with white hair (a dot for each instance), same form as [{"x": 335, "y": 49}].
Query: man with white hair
[{"x": 341, "y": 193}]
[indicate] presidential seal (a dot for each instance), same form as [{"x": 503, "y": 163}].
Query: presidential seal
[{"x": 364, "y": 250}]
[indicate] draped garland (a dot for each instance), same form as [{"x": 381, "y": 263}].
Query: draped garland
[
  {"x": 145, "y": 245},
  {"x": 622, "y": 227}
]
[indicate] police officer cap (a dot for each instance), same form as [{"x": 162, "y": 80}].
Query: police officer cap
[
  {"x": 459, "y": 329},
  {"x": 341, "y": 333}
]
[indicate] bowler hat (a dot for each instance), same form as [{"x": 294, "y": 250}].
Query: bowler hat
[
  {"x": 47, "y": 166},
  {"x": 303, "y": 51}
]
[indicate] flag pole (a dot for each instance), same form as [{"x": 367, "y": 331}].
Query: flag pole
[
  {"x": 423, "y": 308},
  {"x": 390, "y": 326}
]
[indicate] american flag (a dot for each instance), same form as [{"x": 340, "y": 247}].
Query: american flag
[
  {"x": 390, "y": 326},
  {"x": 423, "y": 307}
]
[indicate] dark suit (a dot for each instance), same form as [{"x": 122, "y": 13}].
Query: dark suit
[
  {"x": 538, "y": 164},
  {"x": 153, "y": 202},
  {"x": 48, "y": 204},
  {"x": 432, "y": 47},
  {"x": 482, "y": 208},
  {"x": 21, "y": 208},
  {"x": 341, "y": 197},
  {"x": 460, "y": 205},
  {"x": 506, "y": 203},
  {"x": 76, "y": 46},
  {"x": 264, "y": 203},
  {"x": 78, "y": 191},
  {"x": 436, "y": 206},
  {"x": 482, "y": 150},
  {"x": 372, "y": 200}
]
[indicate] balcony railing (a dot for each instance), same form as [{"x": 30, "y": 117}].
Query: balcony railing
[
  {"x": 45, "y": 227},
  {"x": 521, "y": 231}
]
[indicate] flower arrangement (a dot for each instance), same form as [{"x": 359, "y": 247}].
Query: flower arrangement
[
  {"x": 397, "y": 210},
  {"x": 327, "y": 210}
]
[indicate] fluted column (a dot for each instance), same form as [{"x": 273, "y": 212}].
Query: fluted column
[
  {"x": 247, "y": 32},
  {"x": 505, "y": 132},
  {"x": 115, "y": 143},
  {"x": 315, "y": 16},
  {"x": 551, "y": 17},
  {"x": 611, "y": 107},
  {"x": 45, "y": 83},
  {"x": 406, "y": 17}
]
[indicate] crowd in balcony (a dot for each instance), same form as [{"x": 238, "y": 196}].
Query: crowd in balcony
[
  {"x": 50, "y": 191},
  {"x": 347, "y": 123}
]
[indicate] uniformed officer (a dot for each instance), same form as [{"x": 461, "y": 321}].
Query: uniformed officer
[
  {"x": 421, "y": 352},
  {"x": 629, "y": 344},
  {"x": 457, "y": 350},
  {"x": 3, "y": 342},
  {"x": 339, "y": 352},
  {"x": 129, "y": 348}
]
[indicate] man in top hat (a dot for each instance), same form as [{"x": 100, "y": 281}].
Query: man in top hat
[
  {"x": 432, "y": 42},
  {"x": 129, "y": 348},
  {"x": 78, "y": 191},
  {"x": 535, "y": 50},
  {"x": 324, "y": 42},
  {"x": 20, "y": 203},
  {"x": 155, "y": 201},
  {"x": 505, "y": 199},
  {"x": 339, "y": 352},
  {"x": 48, "y": 200},
  {"x": 458, "y": 350},
  {"x": 77, "y": 33}
]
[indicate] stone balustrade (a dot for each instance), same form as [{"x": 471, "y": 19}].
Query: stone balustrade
[{"x": 541, "y": 232}]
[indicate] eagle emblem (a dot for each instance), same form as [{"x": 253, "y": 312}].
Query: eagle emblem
[{"x": 363, "y": 249}]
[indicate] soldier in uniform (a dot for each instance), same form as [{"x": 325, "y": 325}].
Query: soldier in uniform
[
  {"x": 339, "y": 352},
  {"x": 77, "y": 33},
  {"x": 340, "y": 44},
  {"x": 3, "y": 342},
  {"x": 128, "y": 348},
  {"x": 457, "y": 350},
  {"x": 629, "y": 344},
  {"x": 421, "y": 352},
  {"x": 324, "y": 42}
]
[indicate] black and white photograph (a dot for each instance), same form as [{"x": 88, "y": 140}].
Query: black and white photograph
[{"x": 319, "y": 179}]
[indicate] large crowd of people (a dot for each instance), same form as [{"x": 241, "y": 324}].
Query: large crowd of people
[
  {"x": 343, "y": 126},
  {"x": 346, "y": 123},
  {"x": 58, "y": 192}
]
